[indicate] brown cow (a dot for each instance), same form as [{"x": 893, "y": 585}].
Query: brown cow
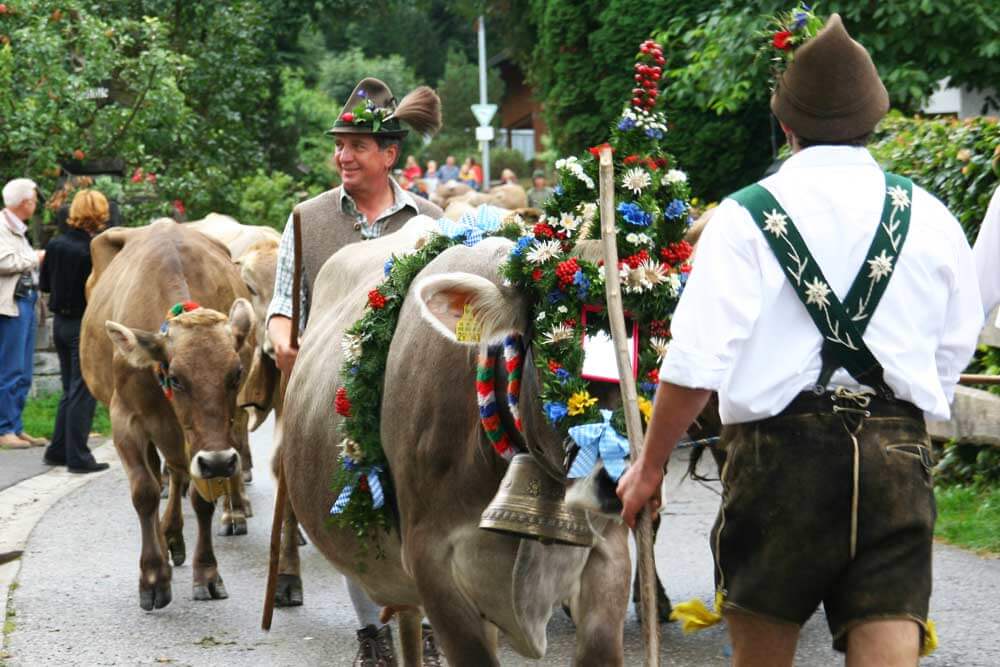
[
  {"x": 138, "y": 275},
  {"x": 471, "y": 583}
]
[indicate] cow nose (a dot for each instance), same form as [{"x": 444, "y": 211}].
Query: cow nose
[{"x": 212, "y": 465}]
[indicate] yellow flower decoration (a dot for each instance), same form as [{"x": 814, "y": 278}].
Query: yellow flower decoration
[
  {"x": 579, "y": 402},
  {"x": 646, "y": 408}
]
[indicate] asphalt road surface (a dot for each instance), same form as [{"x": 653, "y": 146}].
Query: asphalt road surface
[{"x": 76, "y": 602}]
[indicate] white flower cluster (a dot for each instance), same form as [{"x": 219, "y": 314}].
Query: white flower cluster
[
  {"x": 570, "y": 223},
  {"x": 573, "y": 166},
  {"x": 543, "y": 251},
  {"x": 644, "y": 277},
  {"x": 674, "y": 176},
  {"x": 351, "y": 345},
  {"x": 351, "y": 450},
  {"x": 644, "y": 120},
  {"x": 639, "y": 239},
  {"x": 636, "y": 180}
]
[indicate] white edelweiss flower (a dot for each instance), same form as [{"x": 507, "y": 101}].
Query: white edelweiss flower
[
  {"x": 636, "y": 180},
  {"x": 659, "y": 346},
  {"x": 674, "y": 176},
  {"x": 632, "y": 238},
  {"x": 543, "y": 251},
  {"x": 776, "y": 222},
  {"x": 541, "y": 316},
  {"x": 816, "y": 292},
  {"x": 569, "y": 222},
  {"x": 563, "y": 309},
  {"x": 644, "y": 239},
  {"x": 899, "y": 197},
  {"x": 653, "y": 273},
  {"x": 350, "y": 450},
  {"x": 351, "y": 345},
  {"x": 557, "y": 334},
  {"x": 881, "y": 266}
]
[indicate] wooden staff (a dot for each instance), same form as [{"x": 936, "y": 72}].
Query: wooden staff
[
  {"x": 633, "y": 423},
  {"x": 978, "y": 379},
  {"x": 282, "y": 490}
]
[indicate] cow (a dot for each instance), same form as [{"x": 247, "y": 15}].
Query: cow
[
  {"x": 470, "y": 583},
  {"x": 138, "y": 275}
]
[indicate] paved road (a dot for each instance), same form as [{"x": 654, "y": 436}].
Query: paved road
[
  {"x": 20, "y": 464},
  {"x": 76, "y": 603}
]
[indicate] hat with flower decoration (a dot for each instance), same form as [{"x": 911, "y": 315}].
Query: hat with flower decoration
[
  {"x": 372, "y": 109},
  {"x": 830, "y": 90}
]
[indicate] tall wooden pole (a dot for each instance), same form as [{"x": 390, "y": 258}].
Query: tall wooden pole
[
  {"x": 630, "y": 400},
  {"x": 282, "y": 491}
]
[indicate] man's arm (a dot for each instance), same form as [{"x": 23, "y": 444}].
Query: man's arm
[{"x": 674, "y": 408}]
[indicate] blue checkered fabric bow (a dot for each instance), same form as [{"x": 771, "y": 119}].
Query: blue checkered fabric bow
[
  {"x": 599, "y": 441},
  {"x": 473, "y": 225},
  {"x": 374, "y": 487}
]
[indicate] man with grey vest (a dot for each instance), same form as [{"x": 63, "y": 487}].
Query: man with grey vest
[
  {"x": 832, "y": 307},
  {"x": 368, "y": 134}
]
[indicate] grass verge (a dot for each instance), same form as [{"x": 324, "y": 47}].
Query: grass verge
[
  {"x": 40, "y": 416},
  {"x": 969, "y": 516}
]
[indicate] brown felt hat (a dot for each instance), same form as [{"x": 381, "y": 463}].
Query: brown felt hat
[
  {"x": 831, "y": 90},
  {"x": 371, "y": 109}
]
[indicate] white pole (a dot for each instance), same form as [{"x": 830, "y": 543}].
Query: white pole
[{"x": 482, "y": 98}]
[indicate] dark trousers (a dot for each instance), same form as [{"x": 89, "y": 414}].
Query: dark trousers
[
  {"x": 17, "y": 358},
  {"x": 76, "y": 407}
]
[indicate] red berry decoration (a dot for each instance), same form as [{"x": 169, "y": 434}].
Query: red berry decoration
[
  {"x": 342, "y": 403},
  {"x": 543, "y": 231},
  {"x": 554, "y": 365},
  {"x": 536, "y": 275},
  {"x": 565, "y": 271},
  {"x": 347, "y": 117},
  {"x": 376, "y": 300}
]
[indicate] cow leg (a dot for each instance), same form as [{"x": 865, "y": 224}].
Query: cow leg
[
  {"x": 207, "y": 584},
  {"x": 600, "y": 605},
  {"x": 173, "y": 521},
  {"x": 460, "y": 631},
  {"x": 289, "y": 590},
  {"x": 144, "y": 486},
  {"x": 411, "y": 638}
]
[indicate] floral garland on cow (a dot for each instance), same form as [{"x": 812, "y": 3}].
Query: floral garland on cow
[{"x": 653, "y": 214}]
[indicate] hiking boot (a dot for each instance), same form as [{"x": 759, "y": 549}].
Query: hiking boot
[
  {"x": 32, "y": 440},
  {"x": 432, "y": 657},
  {"x": 11, "y": 441},
  {"x": 375, "y": 647}
]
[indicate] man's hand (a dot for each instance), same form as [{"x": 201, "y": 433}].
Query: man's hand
[
  {"x": 639, "y": 485},
  {"x": 279, "y": 330}
]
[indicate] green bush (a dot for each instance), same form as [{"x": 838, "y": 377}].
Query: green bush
[
  {"x": 956, "y": 160},
  {"x": 965, "y": 463},
  {"x": 267, "y": 199}
]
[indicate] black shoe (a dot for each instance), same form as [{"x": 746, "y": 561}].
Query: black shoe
[
  {"x": 53, "y": 462},
  {"x": 375, "y": 648},
  {"x": 90, "y": 467}
]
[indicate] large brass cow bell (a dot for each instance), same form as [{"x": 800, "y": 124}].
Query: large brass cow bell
[{"x": 530, "y": 504}]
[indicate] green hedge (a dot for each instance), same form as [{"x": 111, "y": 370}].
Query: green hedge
[{"x": 956, "y": 160}]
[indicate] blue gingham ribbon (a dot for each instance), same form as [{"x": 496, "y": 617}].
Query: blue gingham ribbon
[
  {"x": 599, "y": 441},
  {"x": 474, "y": 225},
  {"x": 374, "y": 487}
]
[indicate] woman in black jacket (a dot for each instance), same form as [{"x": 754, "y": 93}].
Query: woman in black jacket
[{"x": 64, "y": 275}]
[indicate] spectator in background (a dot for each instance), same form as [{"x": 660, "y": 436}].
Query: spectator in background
[
  {"x": 540, "y": 192},
  {"x": 508, "y": 177},
  {"x": 411, "y": 170},
  {"x": 63, "y": 275},
  {"x": 430, "y": 178},
  {"x": 471, "y": 173},
  {"x": 448, "y": 171},
  {"x": 60, "y": 200},
  {"x": 18, "y": 294}
]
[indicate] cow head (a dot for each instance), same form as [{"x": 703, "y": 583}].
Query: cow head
[
  {"x": 257, "y": 268},
  {"x": 198, "y": 356}
]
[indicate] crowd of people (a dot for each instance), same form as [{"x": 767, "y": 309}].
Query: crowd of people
[{"x": 425, "y": 181}]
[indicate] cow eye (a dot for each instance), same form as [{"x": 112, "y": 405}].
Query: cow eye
[{"x": 252, "y": 289}]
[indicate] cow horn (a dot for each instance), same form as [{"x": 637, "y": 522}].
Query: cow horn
[{"x": 531, "y": 504}]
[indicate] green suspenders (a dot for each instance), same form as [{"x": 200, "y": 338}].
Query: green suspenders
[{"x": 841, "y": 324}]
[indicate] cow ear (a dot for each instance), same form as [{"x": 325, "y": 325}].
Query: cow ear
[
  {"x": 241, "y": 321},
  {"x": 141, "y": 349},
  {"x": 495, "y": 310}
]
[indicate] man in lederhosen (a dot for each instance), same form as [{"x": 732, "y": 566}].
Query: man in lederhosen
[
  {"x": 832, "y": 306},
  {"x": 368, "y": 135}
]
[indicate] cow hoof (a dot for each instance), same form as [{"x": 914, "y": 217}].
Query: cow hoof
[
  {"x": 232, "y": 525},
  {"x": 248, "y": 476},
  {"x": 212, "y": 590},
  {"x": 156, "y": 597},
  {"x": 178, "y": 553},
  {"x": 288, "y": 593}
]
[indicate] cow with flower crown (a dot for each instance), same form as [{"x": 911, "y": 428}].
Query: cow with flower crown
[{"x": 429, "y": 375}]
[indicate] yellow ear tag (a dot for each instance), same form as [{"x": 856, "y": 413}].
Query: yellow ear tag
[{"x": 468, "y": 329}]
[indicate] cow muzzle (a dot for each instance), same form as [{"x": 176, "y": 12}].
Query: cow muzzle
[
  {"x": 215, "y": 464},
  {"x": 531, "y": 504}
]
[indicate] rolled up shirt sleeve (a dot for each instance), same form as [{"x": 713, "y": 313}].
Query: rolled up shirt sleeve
[
  {"x": 281, "y": 301},
  {"x": 720, "y": 303}
]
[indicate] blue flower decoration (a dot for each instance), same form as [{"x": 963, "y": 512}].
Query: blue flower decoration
[
  {"x": 626, "y": 124},
  {"x": 648, "y": 387},
  {"x": 555, "y": 411},
  {"x": 675, "y": 209},
  {"x": 582, "y": 283},
  {"x": 634, "y": 215},
  {"x": 800, "y": 20},
  {"x": 387, "y": 267},
  {"x": 522, "y": 244},
  {"x": 563, "y": 374},
  {"x": 555, "y": 296},
  {"x": 362, "y": 93},
  {"x": 355, "y": 369},
  {"x": 558, "y": 189}
]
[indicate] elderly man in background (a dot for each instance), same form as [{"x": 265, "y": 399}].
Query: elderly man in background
[{"x": 18, "y": 294}]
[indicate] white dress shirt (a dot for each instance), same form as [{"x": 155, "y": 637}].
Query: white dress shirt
[
  {"x": 987, "y": 253},
  {"x": 741, "y": 330}
]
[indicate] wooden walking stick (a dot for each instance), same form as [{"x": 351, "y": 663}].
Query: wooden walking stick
[
  {"x": 630, "y": 399},
  {"x": 282, "y": 489},
  {"x": 978, "y": 379}
]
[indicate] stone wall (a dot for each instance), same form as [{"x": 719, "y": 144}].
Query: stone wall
[{"x": 46, "y": 378}]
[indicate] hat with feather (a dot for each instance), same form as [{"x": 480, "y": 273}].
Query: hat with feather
[{"x": 372, "y": 109}]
